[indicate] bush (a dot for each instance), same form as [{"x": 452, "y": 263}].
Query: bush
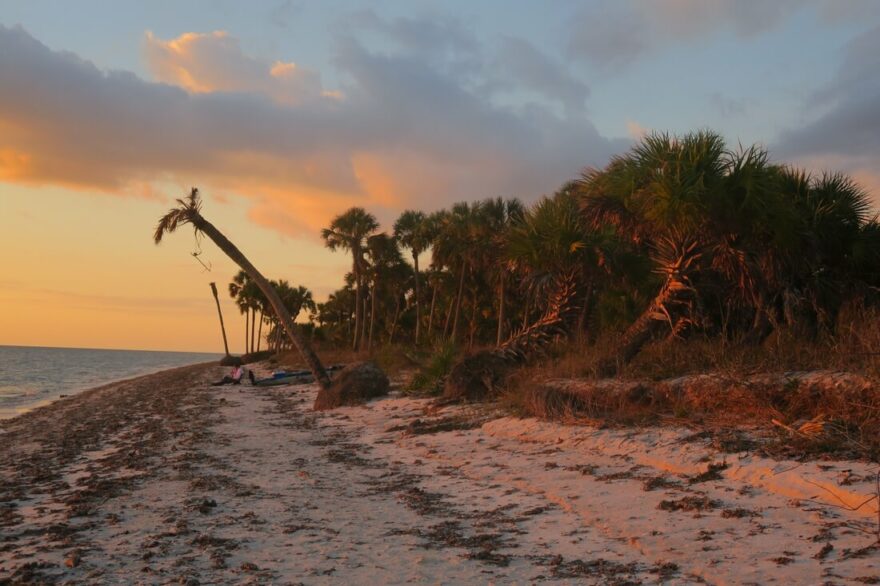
[{"x": 431, "y": 376}]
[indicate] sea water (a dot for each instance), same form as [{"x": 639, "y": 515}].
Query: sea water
[{"x": 31, "y": 376}]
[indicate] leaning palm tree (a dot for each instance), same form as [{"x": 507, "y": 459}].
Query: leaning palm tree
[
  {"x": 189, "y": 212},
  {"x": 349, "y": 231}
]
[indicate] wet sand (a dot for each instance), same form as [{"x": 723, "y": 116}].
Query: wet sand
[{"x": 166, "y": 480}]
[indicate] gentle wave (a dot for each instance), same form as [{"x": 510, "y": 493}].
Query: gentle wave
[{"x": 31, "y": 376}]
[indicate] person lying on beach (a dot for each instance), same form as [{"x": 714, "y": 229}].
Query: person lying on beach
[{"x": 233, "y": 379}]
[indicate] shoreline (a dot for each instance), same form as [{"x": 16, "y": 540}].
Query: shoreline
[
  {"x": 92, "y": 387},
  {"x": 163, "y": 478}
]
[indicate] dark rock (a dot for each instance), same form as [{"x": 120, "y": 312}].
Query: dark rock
[{"x": 357, "y": 383}]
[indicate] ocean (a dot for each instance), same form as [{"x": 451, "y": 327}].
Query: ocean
[{"x": 31, "y": 376}]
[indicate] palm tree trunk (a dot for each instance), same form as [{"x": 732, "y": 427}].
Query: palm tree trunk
[
  {"x": 418, "y": 298},
  {"x": 458, "y": 300},
  {"x": 585, "y": 309},
  {"x": 472, "y": 327},
  {"x": 364, "y": 320},
  {"x": 358, "y": 293},
  {"x": 268, "y": 290},
  {"x": 394, "y": 321},
  {"x": 260, "y": 331},
  {"x": 246, "y": 326},
  {"x": 526, "y": 310},
  {"x": 372, "y": 313},
  {"x": 500, "y": 334},
  {"x": 220, "y": 313},
  {"x": 448, "y": 323},
  {"x": 658, "y": 314},
  {"x": 253, "y": 325},
  {"x": 433, "y": 303}
]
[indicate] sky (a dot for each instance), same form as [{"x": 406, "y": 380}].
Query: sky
[{"x": 285, "y": 113}]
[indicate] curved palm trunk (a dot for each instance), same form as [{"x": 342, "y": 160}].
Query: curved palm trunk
[
  {"x": 268, "y": 290},
  {"x": 555, "y": 322},
  {"x": 418, "y": 298},
  {"x": 220, "y": 313},
  {"x": 480, "y": 374},
  {"x": 665, "y": 311}
]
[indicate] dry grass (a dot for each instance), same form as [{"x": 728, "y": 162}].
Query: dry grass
[{"x": 781, "y": 385}]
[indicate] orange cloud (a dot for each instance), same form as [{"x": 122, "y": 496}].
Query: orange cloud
[
  {"x": 407, "y": 134},
  {"x": 15, "y": 165},
  {"x": 214, "y": 62}
]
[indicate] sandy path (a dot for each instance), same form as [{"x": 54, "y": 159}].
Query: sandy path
[{"x": 167, "y": 480}]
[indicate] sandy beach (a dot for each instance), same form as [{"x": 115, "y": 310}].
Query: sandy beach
[{"x": 165, "y": 479}]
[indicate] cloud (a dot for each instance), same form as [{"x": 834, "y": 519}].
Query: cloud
[
  {"x": 214, "y": 62},
  {"x": 535, "y": 71},
  {"x": 727, "y": 106},
  {"x": 845, "y": 133},
  {"x": 613, "y": 33},
  {"x": 635, "y": 130},
  {"x": 406, "y": 133}
]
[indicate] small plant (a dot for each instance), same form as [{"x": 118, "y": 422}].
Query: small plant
[{"x": 430, "y": 377}]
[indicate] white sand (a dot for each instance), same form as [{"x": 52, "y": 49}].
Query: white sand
[{"x": 251, "y": 486}]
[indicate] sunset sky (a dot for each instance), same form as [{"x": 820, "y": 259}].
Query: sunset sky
[{"x": 285, "y": 113}]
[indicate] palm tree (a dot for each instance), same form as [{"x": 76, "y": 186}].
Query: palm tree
[
  {"x": 189, "y": 212},
  {"x": 240, "y": 289},
  {"x": 384, "y": 254},
  {"x": 413, "y": 230},
  {"x": 499, "y": 217},
  {"x": 456, "y": 246},
  {"x": 349, "y": 231},
  {"x": 701, "y": 213},
  {"x": 295, "y": 299},
  {"x": 827, "y": 257}
]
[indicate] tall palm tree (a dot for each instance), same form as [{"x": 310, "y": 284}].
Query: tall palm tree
[
  {"x": 240, "y": 290},
  {"x": 456, "y": 246},
  {"x": 384, "y": 254},
  {"x": 349, "y": 231},
  {"x": 499, "y": 216},
  {"x": 413, "y": 230},
  {"x": 189, "y": 212}
]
